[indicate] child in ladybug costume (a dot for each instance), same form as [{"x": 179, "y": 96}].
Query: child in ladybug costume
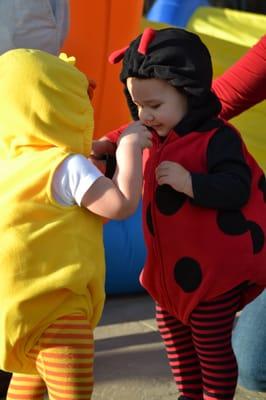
[{"x": 204, "y": 210}]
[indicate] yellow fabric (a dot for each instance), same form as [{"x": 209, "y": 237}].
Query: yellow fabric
[
  {"x": 59, "y": 360},
  {"x": 233, "y": 26},
  {"x": 145, "y": 23},
  {"x": 51, "y": 257},
  {"x": 229, "y": 34}
]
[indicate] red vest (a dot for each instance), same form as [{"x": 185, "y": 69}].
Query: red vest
[{"x": 197, "y": 253}]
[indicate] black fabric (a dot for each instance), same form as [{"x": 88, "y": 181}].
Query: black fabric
[
  {"x": 233, "y": 222},
  {"x": 110, "y": 165},
  {"x": 206, "y": 337},
  {"x": 4, "y": 382},
  {"x": 227, "y": 184},
  {"x": 169, "y": 200},
  {"x": 179, "y": 57},
  {"x": 184, "y": 398},
  {"x": 262, "y": 186}
]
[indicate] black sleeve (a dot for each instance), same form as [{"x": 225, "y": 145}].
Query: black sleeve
[{"x": 228, "y": 181}]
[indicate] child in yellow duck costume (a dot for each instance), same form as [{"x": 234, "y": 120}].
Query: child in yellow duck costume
[{"x": 52, "y": 258}]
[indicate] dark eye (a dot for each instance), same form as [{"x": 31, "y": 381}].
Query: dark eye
[{"x": 154, "y": 106}]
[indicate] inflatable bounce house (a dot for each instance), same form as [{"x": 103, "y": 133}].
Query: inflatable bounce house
[
  {"x": 174, "y": 12},
  {"x": 98, "y": 28}
]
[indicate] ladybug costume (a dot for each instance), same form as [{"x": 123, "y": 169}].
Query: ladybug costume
[{"x": 206, "y": 256}]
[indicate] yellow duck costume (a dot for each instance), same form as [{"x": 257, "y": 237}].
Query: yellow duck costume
[{"x": 51, "y": 256}]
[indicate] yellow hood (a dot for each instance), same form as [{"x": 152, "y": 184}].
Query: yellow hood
[{"x": 43, "y": 103}]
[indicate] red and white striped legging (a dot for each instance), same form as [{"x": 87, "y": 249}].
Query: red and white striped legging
[
  {"x": 64, "y": 361},
  {"x": 201, "y": 355}
]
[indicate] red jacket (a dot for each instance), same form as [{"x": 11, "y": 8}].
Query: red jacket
[
  {"x": 195, "y": 253},
  {"x": 244, "y": 84}
]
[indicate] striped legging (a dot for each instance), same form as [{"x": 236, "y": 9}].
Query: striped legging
[
  {"x": 200, "y": 354},
  {"x": 64, "y": 361}
]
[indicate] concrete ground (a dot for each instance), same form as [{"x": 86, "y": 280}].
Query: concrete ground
[{"x": 130, "y": 362}]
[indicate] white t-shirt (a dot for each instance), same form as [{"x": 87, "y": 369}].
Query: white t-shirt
[{"x": 72, "y": 178}]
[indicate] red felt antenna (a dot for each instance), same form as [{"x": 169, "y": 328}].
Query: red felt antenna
[
  {"x": 117, "y": 55},
  {"x": 145, "y": 40}
]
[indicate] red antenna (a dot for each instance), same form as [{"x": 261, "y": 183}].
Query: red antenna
[
  {"x": 117, "y": 55},
  {"x": 146, "y": 38}
]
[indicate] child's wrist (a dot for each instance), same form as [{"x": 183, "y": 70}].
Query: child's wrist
[{"x": 187, "y": 187}]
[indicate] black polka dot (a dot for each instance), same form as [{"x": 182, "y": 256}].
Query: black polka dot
[
  {"x": 187, "y": 274},
  {"x": 257, "y": 235},
  {"x": 232, "y": 222},
  {"x": 149, "y": 220},
  {"x": 262, "y": 186},
  {"x": 168, "y": 200}
]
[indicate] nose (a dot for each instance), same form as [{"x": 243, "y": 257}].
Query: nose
[{"x": 145, "y": 117}]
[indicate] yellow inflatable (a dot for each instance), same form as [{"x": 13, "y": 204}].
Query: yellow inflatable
[
  {"x": 228, "y": 34},
  {"x": 237, "y": 27}
]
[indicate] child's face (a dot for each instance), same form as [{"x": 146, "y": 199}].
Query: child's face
[{"x": 160, "y": 105}]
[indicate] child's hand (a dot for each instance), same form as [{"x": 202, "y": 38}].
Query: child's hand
[
  {"x": 176, "y": 176},
  {"x": 137, "y": 133}
]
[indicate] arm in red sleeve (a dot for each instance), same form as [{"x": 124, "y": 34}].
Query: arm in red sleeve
[{"x": 244, "y": 83}]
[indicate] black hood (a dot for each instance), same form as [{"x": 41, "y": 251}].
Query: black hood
[{"x": 181, "y": 58}]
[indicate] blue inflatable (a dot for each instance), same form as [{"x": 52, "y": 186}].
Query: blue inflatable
[
  {"x": 174, "y": 12},
  {"x": 124, "y": 254}
]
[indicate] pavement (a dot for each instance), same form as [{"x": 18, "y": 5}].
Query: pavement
[{"x": 130, "y": 361}]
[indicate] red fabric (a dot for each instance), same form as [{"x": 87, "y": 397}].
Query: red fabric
[
  {"x": 114, "y": 135},
  {"x": 145, "y": 40},
  {"x": 193, "y": 350},
  {"x": 223, "y": 260},
  {"x": 117, "y": 55},
  {"x": 244, "y": 84}
]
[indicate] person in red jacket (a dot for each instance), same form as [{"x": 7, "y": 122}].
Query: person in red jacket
[
  {"x": 202, "y": 191},
  {"x": 239, "y": 88}
]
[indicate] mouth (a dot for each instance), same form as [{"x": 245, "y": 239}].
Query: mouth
[{"x": 156, "y": 127}]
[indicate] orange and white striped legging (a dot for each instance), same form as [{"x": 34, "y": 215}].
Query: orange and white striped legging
[{"x": 64, "y": 361}]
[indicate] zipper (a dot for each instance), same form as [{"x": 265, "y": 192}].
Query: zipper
[{"x": 159, "y": 146}]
